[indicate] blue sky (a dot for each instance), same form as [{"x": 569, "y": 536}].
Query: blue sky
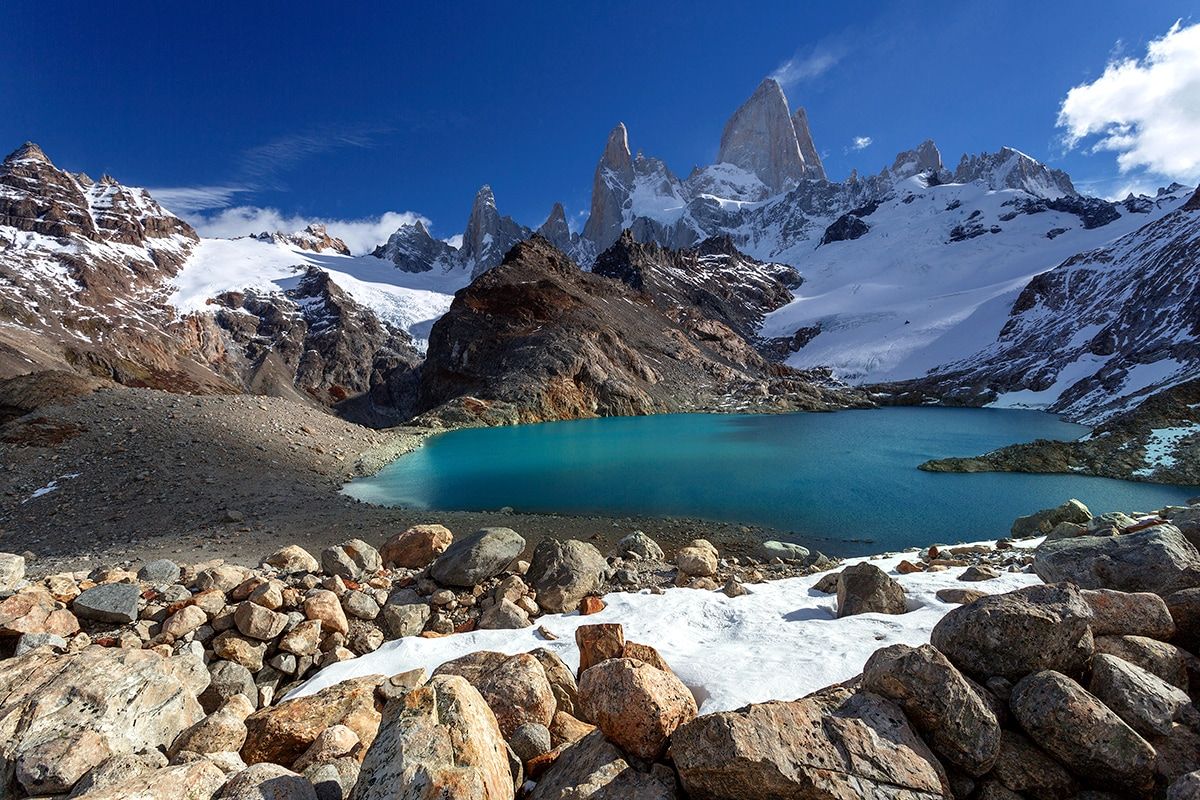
[{"x": 349, "y": 112}]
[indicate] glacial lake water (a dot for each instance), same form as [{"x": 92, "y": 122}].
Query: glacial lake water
[{"x": 847, "y": 482}]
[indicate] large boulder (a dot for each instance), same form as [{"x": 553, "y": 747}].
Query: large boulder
[
  {"x": 35, "y": 611},
  {"x": 562, "y": 681},
  {"x": 563, "y": 573},
  {"x": 636, "y": 705},
  {"x": 1023, "y": 767},
  {"x": 350, "y": 559},
  {"x": 593, "y": 769},
  {"x": 281, "y": 733},
  {"x": 109, "y": 602},
  {"x": 405, "y": 614},
  {"x": 698, "y": 559},
  {"x": 439, "y": 740},
  {"x": 1082, "y": 733},
  {"x": 939, "y": 701},
  {"x": 12, "y": 571},
  {"x": 864, "y": 588},
  {"x": 832, "y": 744},
  {"x": 416, "y": 547},
  {"x": 267, "y": 782},
  {"x": 1129, "y": 614},
  {"x": 62, "y": 715},
  {"x": 1044, "y": 521},
  {"x": 1184, "y": 607},
  {"x": 198, "y": 780},
  {"x": 1163, "y": 659},
  {"x": 1157, "y": 559},
  {"x": 223, "y": 731},
  {"x": 1146, "y": 702},
  {"x": 639, "y": 545},
  {"x": 227, "y": 679},
  {"x": 477, "y": 557},
  {"x": 292, "y": 559},
  {"x": 514, "y": 687},
  {"x": 1013, "y": 634}
]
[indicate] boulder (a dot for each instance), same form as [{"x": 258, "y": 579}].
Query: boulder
[
  {"x": 62, "y": 715},
  {"x": 334, "y": 780},
  {"x": 222, "y": 577},
  {"x": 514, "y": 687},
  {"x": 350, "y": 559},
  {"x": 477, "y": 557},
  {"x": 267, "y": 782},
  {"x": 593, "y": 769},
  {"x": 1022, "y": 767},
  {"x": 1185, "y": 787},
  {"x": 32, "y": 641},
  {"x": 199, "y": 780},
  {"x": 698, "y": 559},
  {"x": 832, "y": 744},
  {"x": 597, "y": 643},
  {"x": 223, "y": 731},
  {"x": 440, "y": 741},
  {"x": 562, "y": 682},
  {"x": 416, "y": 547},
  {"x": 639, "y": 545},
  {"x": 160, "y": 572},
  {"x": 959, "y": 596},
  {"x": 562, "y": 573},
  {"x": 293, "y": 559},
  {"x": 332, "y": 743},
  {"x": 866, "y": 589},
  {"x": 243, "y": 650},
  {"x": 323, "y": 605},
  {"x": 227, "y": 679},
  {"x": 828, "y": 583},
  {"x": 788, "y": 551},
  {"x": 360, "y": 605},
  {"x": 12, "y": 571},
  {"x": 1146, "y": 702},
  {"x": 184, "y": 621},
  {"x": 974, "y": 574},
  {"x": 1013, "y": 634},
  {"x": 402, "y": 618},
  {"x": 35, "y": 611},
  {"x": 282, "y": 733},
  {"x": 1157, "y": 559},
  {"x": 637, "y": 706},
  {"x": 1129, "y": 614},
  {"x": 1184, "y": 607},
  {"x": 530, "y": 740},
  {"x": 302, "y": 640},
  {"x": 109, "y": 602},
  {"x": 939, "y": 702},
  {"x": 1044, "y": 521},
  {"x": 504, "y": 615},
  {"x": 1158, "y": 658},
  {"x": 1081, "y": 732},
  {"x": 259, "y": 622}
]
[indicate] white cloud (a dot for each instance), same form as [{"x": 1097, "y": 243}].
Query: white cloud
[
  {"x": 184, "y": 199},
  {"x": 1146, "y": 111},
  {"x": 860, "y": 143},
  {"x": 360, "y": 235},
  {"x": 806, "y": 66},
  {"x": 454, "y": 241}
]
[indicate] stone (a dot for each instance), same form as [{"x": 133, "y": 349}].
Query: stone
[
  {"x": 184, "y": 621},
  {"x": 199, "y": 780},
  {"x": 332, "y": 743},
  {"x": 1158, "y": 658},
  {"x": 282, "y": 733},
  {"x": 269, "y": 595},
  {"x": 591, "y": 605},
  {"x": 160, "y": 572},
  {"x": 334, "y": 780},
  {"x": 323, "y": 605},
  {"x": 640, "y": 545},
  {"x": 598, "y": 643},
  {"x": 959, "y": 596},
  {"x": 563, "y": 573},
  {"x": 12, "y": 571},
  {"x": 350, "y": 559},
  {"x": 1184, "y": 607},
  {"x": 831, "y": 744},
  {"x": 566, "y": 728},
  {"x": 697, "y": 560},
  {"x": 939, "y": 701},
  {"x": 1157, "y": 559},
  {"x": 267, "y": 782},
  {"x": 1129, "y": 613},
  {"x": 227, "y": 679},
  {"x": 1185, "y": 787},
  {"x": 259, "y": 622},
  {"x": 1146, "y": 702},
  {"x": 505, "y": 615},
  {"x": 1081, "y": 732},
  {"x": 636, "y": 705},
  {"x": 222, "y": 577},
  {"x": 365, "y": 639},
  {"x": 1022, "y": 767},
  {"x": 514, "y": 687},
  {"x": 405, "y": 614},
  {"x": 32, "y": 641},
  {"x": 866, "y": 589},
  {"x": 828, "y": 583},
  {"x": 62, "y": 715},
  {"x": 240, "y": 649},
  {"x": 788, "y": 551},
  {"x": 1044, "y": 521},
  {"x": 416, "y": 547},
  {"x": 530, "y": 740},
  {"x": 109, "y": 602},
  {"x": 223, "y": 731},
  {"x": 440, "y": 741},
  {"x": 477, "y": 557},
  {"x": 979, "y": 573},
  {"x": 562, "y": 681},
  {"x": 1066, "y": 530},
  {"x": 1013, "y": 634},
  {"x": 360, "y": 605},
  {"x": 292, "y": 559},
  {"x": 302, "y": 640},
  {"x": 593, "y": 769},
  {"x": 35, "y": 611},
  {"x": 118, "y": 770}
]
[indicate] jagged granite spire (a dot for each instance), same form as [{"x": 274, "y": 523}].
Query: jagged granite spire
[
  {"x": 924, "y": 158},
  {"x": 488, "y": 235},
  {"x": 761, "y": 138},
  {"x": 812, "y": 160},
  {"x": 610, "y": 189},
  {"x": 412, "y": 249},
  {"x": 555, "y": 229}
]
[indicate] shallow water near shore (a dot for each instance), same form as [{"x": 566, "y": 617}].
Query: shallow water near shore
[{"x": 847, "y": 481}]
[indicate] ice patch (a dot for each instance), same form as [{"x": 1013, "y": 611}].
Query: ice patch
[
  {"x": 52, "y": 486},
  {"x": 1161, "y": 446}
]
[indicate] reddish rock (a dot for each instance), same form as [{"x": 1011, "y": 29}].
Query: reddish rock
[
  {"x": 598, "y": 643},
  {"x": 417, "y": 547},
  {"x": 637, "y": 706}
]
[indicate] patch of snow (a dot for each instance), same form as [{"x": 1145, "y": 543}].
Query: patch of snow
[
  {"x": 52, "y": 486},
  {"x": 780, "y": 642},
  {"x": 1161, "y": 447}
]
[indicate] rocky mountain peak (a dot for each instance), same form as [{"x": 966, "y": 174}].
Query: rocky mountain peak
[
  {"x": 1009, "y": 168},
  {"x": 611, "y": 185},
  {"x": 808, "y": 149},
  {"x": 489, "y": 235},
  {"x": 314, "y": 238},
  {"x": 28, "y": 151},
  {"x": 760, "y": 137},
  {"x": 616, "y": 156},
  {"x": 1193, "y": 204},
  {"x": 555, "y": 229},
  {"x": 412, "y": 249},
  {"x": 924, "y": 158}
]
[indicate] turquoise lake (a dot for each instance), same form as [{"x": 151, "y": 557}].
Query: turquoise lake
[{"x": 847, "y": 482}]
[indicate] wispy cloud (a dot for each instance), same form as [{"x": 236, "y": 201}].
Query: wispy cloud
[
  {"x": 808, "y": 64},
  {"x": 185, "y": 199},
  {"x": 360, "y": 235},
  {"x": 860, "y": 143},
  {"x": 281, "y": 154},
  {"x": 1144, "y": 110}
]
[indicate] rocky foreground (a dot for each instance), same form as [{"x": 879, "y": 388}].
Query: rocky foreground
[{"x": 169, "y": 681}]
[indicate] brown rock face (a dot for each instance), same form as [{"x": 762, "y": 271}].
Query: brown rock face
[
  {"x": 636, "y": 705},
  {"x": 416, "y": 547},
  {"x": 514, "y": 687},
  {"x": 598, "y": 643},
  {"x": 282, "y": 733},
  {"x": 833, "y": 744}
]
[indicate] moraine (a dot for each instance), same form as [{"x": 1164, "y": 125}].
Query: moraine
[{"x": 847, "y": 481}]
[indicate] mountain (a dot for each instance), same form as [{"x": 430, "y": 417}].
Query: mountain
[
  {"x": 537, "y": 338},
  {"x": 1012, "y": 169},
  {"x": 761, "y": 138},
  {"x": 412, "y": 249},
  {"x": 315, "y": 237},
  {"x": 488, "y": 235}
]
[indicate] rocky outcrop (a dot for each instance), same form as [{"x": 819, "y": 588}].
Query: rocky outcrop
[
  {"x": 314, "y": 237},
  {"x": 924, "y": 159},
  {"x": 760, "y": 138},
  {"x": 813, "y": 168},
  {"x": 1158, "y": 559},
  {"x": 555, "y": 230},
  {"x": 412, "y": 249},
  {"x": 489, "y": 236},
  {"x": 1012, "y": 169},
  {"x": 538, "y": 339}
]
